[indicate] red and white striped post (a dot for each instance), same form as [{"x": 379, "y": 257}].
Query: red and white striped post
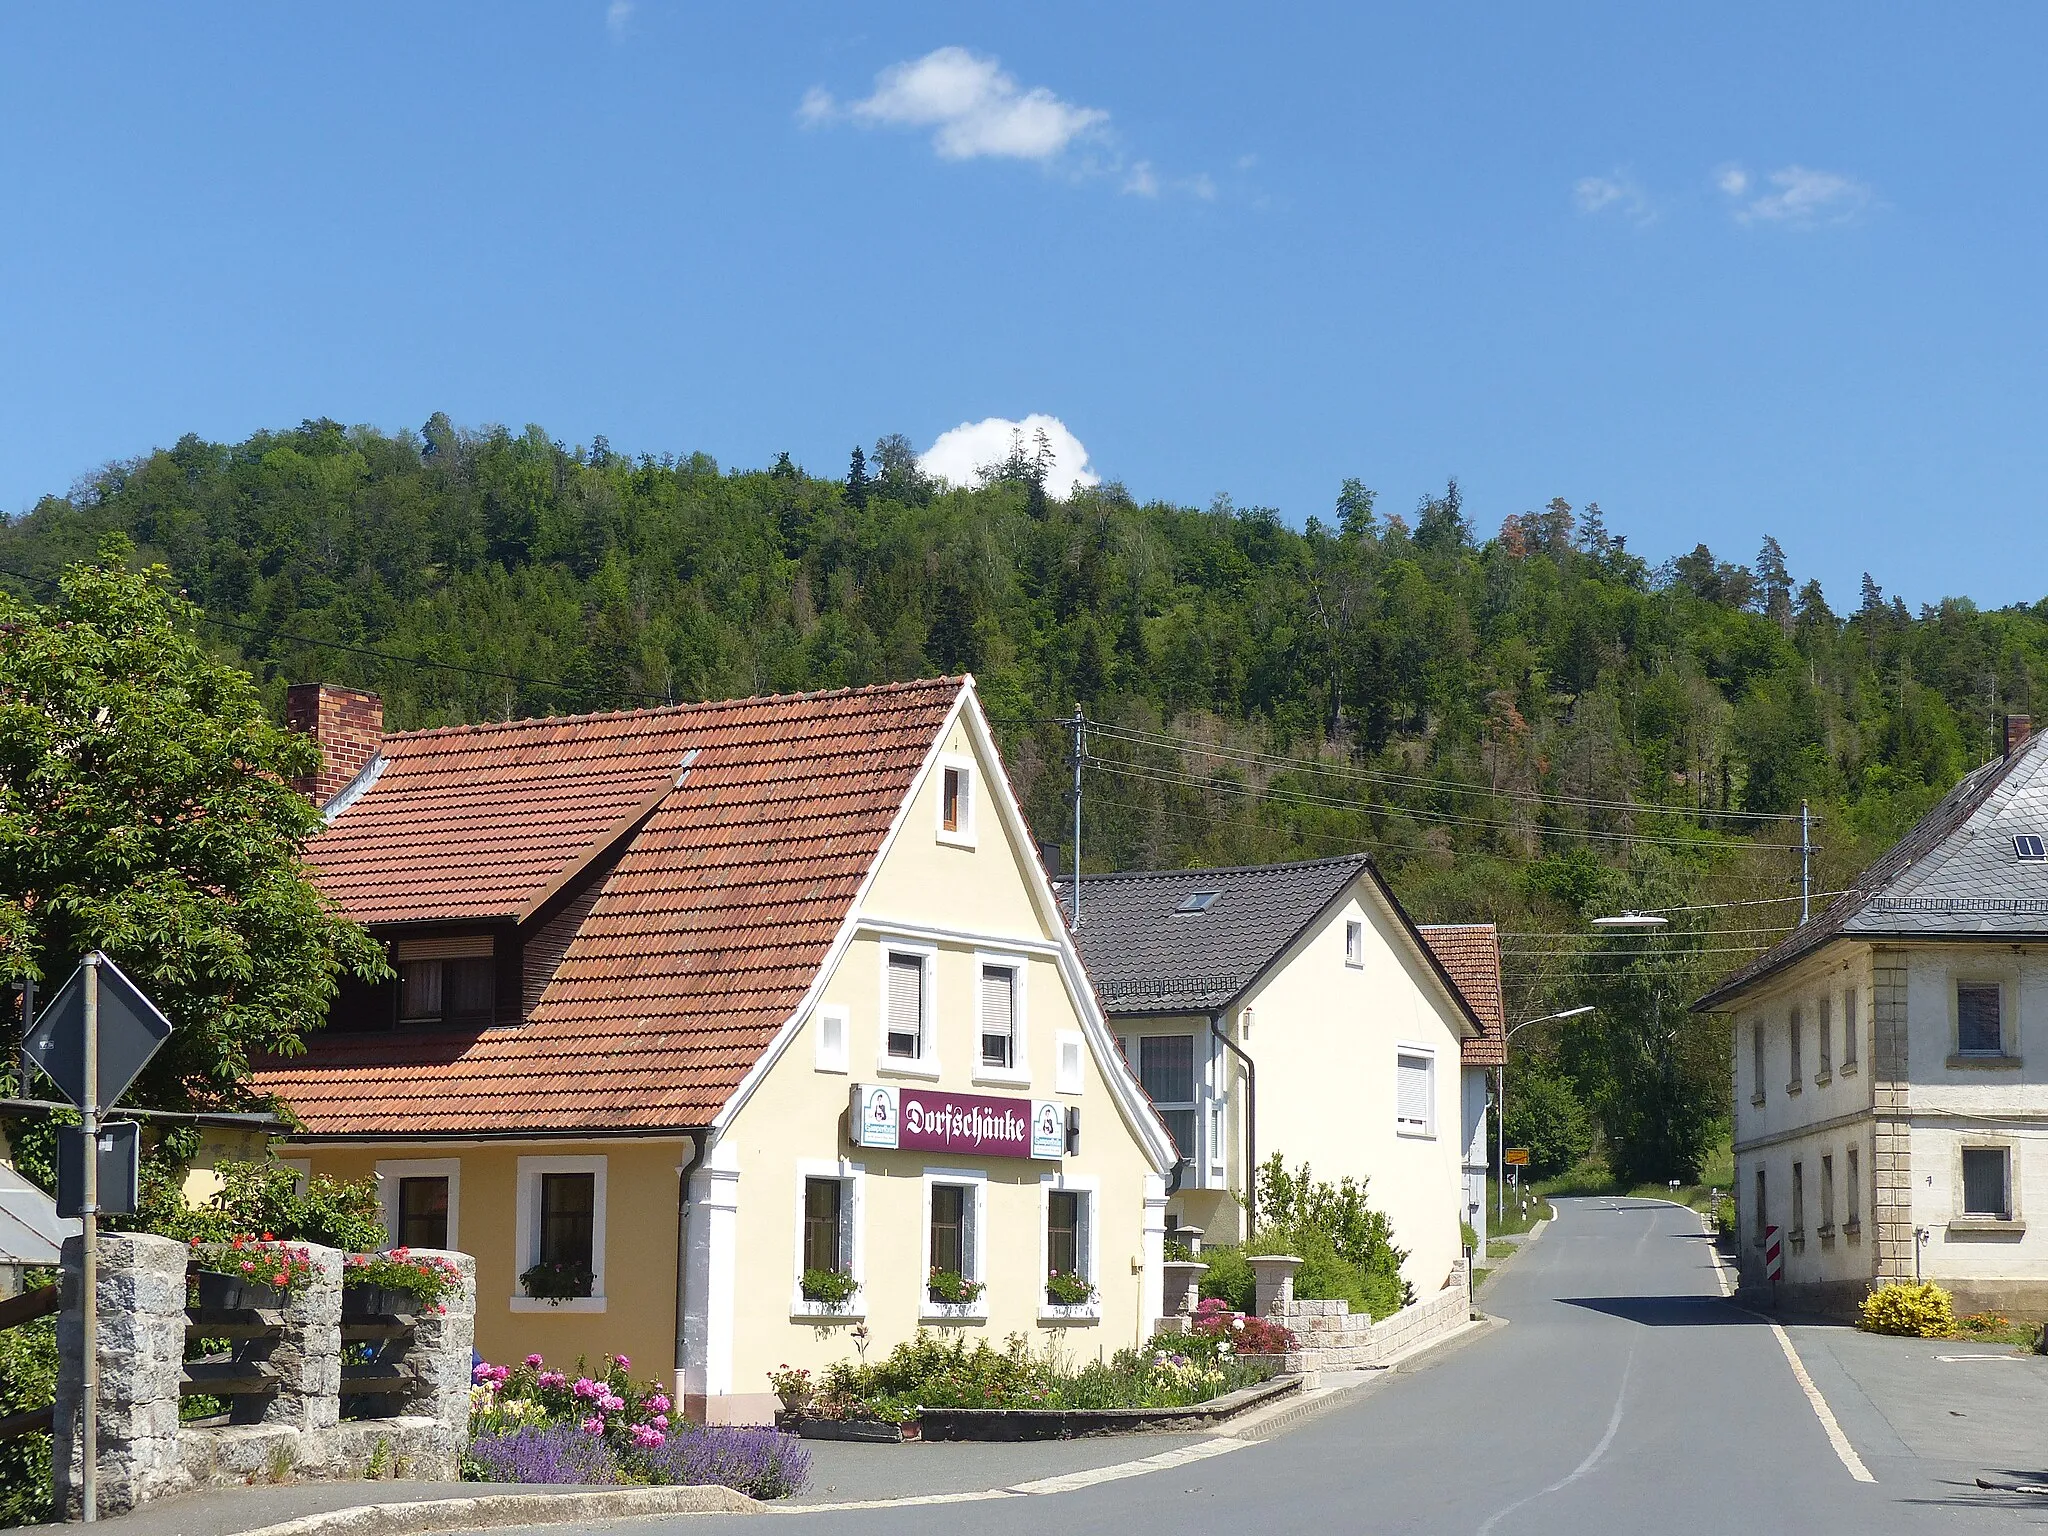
[{"x": 1774, "y": 1254}]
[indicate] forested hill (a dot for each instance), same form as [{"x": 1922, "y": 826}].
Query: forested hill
[{"x": 1525, "y": 722}]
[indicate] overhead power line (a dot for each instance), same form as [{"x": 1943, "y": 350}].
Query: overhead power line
[
  {"x": 1185, "y": 779},
  {"x": 1138, "y": 737}
]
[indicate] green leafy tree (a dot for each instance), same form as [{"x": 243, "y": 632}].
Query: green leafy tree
[
  {"x": 145, "y": 811},
  {"x": 1546, "y": 1116}
]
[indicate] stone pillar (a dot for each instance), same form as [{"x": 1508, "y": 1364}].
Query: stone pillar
[
  {"x": 1183, "y": 1286},
  {"x": 440, "y": 1352},
  {"x": 1273, "y": 1283},
  {"x": 141, "y": 1348},
  {"x": 307, "y": 1354},
  {"x": 1891, "y": 1161}
]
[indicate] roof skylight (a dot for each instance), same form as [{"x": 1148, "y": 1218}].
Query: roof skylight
[{"x": 1197, "y": 901}]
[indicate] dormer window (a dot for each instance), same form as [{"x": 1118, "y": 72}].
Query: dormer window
[
  {"x": 956, "y": 801},
  {"x": 447, "y": 983}
]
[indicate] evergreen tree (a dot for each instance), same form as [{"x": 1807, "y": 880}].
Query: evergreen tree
[
  {"x": 1354, "y": 511},
  {"x": 857, "y": 480},
  {"x": 1774, "y": 585},
  {"x": 784, "y": 470}
]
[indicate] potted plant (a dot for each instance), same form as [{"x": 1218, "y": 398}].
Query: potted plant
[
  {"x": 793, "y": 1385},
  {"x": 829, "y": 1288},
  {"x": 1064, "y": 1288},
  {"x": 558, "y": 1280},
  {"x": 247, "y": 1272},
  {"x": 950, "y": 1288},
  {"x": 397, "y": 1283}
]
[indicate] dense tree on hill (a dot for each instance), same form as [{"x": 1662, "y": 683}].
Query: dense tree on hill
[{"x": 1485, "y": 713}]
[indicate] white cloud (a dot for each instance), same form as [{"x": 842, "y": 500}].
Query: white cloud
[
  {"x": 617, "y": 15},
  {"x": 1799, "y": 198},
  {"x": 1619, "y": 193},
  {"x": 1142, "y": 180},
  {"x": 1201, "y": 186},
  {"x": 960, "y": 455},
  {"x": 973, "y": 106}
]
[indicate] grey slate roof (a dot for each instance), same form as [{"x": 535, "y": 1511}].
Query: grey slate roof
[
  {"x": 31, "y": 1231},
  {"x": 1145, "y": 956},
  {"x": 1954, "y": 876}
]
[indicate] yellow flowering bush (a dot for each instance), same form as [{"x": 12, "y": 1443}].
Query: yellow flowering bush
[{"x": 1909, "y": 1311}]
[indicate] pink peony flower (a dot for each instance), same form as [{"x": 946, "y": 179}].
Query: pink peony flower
[
  {"x": 659, "y": 1402},
  {"x": 551, "y": 1380},
  {"x": 585, "y": 1387},
  {"x": 624, "y": 1363},
  {"x": 611, "y": 1402},
  {"x": 533, "y": 1360},
  {"x": 593, "y": 1426},
  {"x": 647, "y": 1436},
  {"x": 480, "y": 1372},
  {"x": 659, "y": 1421}
]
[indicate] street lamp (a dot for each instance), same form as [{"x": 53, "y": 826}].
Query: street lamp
[
  {"x": 1633, "y": 920},
  {"x": 1500, "y": 1103}
]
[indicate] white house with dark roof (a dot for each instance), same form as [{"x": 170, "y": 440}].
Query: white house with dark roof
[
  {"x": 1891, "y": 1064},
  {"x": 1290, "y": 1008}
]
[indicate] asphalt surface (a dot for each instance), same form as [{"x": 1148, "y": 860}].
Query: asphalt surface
[{"x": 1625, "y": 1395}]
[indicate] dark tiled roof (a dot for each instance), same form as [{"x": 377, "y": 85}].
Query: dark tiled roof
[
  {"x": 1470, "y": 952},
  {"x": 708, "y": 931},
  {"x": 1147, "y": 956},
  {"x": 1955, "y": 875}
]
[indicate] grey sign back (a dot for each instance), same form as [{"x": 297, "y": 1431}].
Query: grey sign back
[{"x": 131, "y": 1029}]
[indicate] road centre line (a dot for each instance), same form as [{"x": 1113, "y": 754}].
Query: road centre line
[{"x": 1592, "y": 1457}]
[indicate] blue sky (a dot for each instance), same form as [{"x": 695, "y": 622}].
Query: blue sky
[{"x": 1725, "y": 271}]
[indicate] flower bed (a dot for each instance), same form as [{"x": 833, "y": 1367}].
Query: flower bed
[
  {"x": 1173, "y": 1371},
  {"x": 528, "y": 1424},
  {"x": 247, "y": 1272}
]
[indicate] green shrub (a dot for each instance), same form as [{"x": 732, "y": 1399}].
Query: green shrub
[
  {"x": 28, "y": 1379},
  {"x": 1908, "y": 1311},
  {"x": 1346, "y": 1247},
  {"x": 1546, "y": 1116},
  {"x": 265, "y": 1197},
  {"x": 1229, "y": 1276}
]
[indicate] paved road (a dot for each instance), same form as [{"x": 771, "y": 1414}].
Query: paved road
[{"x": 1624, "y": 1396}]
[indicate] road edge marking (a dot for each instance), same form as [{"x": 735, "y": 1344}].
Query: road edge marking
[
  {"x": 1065, "y": 1482},
  {"x": 1821, "y": 1410}
]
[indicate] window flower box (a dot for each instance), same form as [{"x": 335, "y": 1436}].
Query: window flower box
[{"x": 557, "y": 1282}]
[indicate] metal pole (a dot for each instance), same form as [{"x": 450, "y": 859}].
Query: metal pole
[
  {"x": 28, "y": 1019},
  {"x": 1079, "y": 743},
  {"x": 1805, "y": 863},
  {"x": 89, "y": 1210}
]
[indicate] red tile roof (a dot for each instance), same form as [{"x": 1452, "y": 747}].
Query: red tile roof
[
  {"x": 1470, "y": 952},
  {"x": 709, "y": 929}
]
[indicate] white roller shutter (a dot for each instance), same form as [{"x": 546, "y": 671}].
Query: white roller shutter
[{"x": 1412, "y": 1092}]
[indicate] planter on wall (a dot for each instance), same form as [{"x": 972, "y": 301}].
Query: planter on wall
[
  {"x": 376, "y": 1301},
  {"x": 233, "y": 1293}
]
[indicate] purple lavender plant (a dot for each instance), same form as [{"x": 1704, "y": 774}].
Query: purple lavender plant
[
  {"x": 554, "y": 1453},
  {"x": 762, "y": 1463}
]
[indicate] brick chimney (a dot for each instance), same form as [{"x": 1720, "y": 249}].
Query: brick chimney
[
  {"x": 2017, "y": 729},
  {"x": 348, "y": 724}
]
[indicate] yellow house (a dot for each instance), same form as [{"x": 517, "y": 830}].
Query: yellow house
[
  {"x": 722, "y": 1029},
  {"x": 1290, "y": 1008}
]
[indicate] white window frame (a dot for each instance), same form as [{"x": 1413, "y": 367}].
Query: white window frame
[
  {"x": 828, "y": 1058},
  {"x": 526, "y": 1238},
  {"x": 1090, "y": 1247},
  {"x": 1404, "y": 1128},
  {"x": 925, "y": 1064},
  {"x": 854, "y": 1177},
  {"x": 1018, "y": 1073},
  {"x": 390, "y": 1171},
  {"x": 975, "y": 1213},
  {"x": 1852, "y": 1030},
  {"x": 1964, "y": 1220},
  {"x": 964, "y": 765},
  {"x": 1354, "y": 943},
  {"x": 1070, "y": 1045},
  {"x": 1199, "y": 1065}
]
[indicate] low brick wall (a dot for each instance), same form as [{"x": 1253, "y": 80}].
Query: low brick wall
[{"x": 1331, "y": 1339}]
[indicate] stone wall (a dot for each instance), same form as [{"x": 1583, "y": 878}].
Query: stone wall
[
  {"x": 1330, "y": 1338},
  {"x": 295, "y": 1430}
]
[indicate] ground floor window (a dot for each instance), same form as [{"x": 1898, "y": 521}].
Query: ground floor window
[
  {"x": 1987, "y": 1186},
  {"x": 953, "y": 1240},
  {"x": 1827, "y": 1196},
  {"x": 1069, "y": 1250},
  {"x": 1763, "y": 1218},
  {"x": 420, "y": 1199},
  {"x": 561, "y": 1232},
  {"x": 1798, "y": 1200},
  {"x": 1854, "y": 1219},
  {"x": 423, "y": 1212},
  {"x": 824, "y": 1207}
]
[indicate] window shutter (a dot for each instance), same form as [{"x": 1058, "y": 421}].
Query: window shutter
[
  {"x": 998, "y": 992},
  {"x": 1412, "y": 1092},
  {"x": 1067, "y": 1078},
  {"x": 970, "y": 1222},
  {"x": 846, "y": 1226},
  {"x": 906, "y": 1001},
  {"x": 1084, "y": 1217}
]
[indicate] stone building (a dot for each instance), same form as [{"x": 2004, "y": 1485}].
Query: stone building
[{"x": 1891, "y": 1064}]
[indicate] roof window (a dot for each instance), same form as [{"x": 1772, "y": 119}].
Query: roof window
[
  {"x": 1197, "y": 901},
  {"x": 2029, "y": 847}
]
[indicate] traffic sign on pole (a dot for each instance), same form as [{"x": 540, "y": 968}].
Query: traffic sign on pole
[
  {"x": 131, "y": 1028},
  {"x": 1517, "y": 1157}
]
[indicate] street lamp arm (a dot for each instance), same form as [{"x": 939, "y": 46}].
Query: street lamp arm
[{"x": 1568, "y": 1013}]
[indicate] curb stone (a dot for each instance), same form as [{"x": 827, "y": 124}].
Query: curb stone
[{"x": 488, "y": 1511}]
